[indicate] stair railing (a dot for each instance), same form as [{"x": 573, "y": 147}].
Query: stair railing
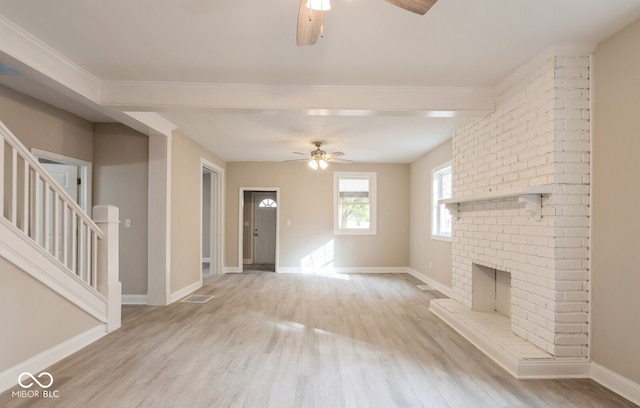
[{"x": 32, "y": 201}]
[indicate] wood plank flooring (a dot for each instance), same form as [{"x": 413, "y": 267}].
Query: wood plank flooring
[{"x": 286, "y": 340}]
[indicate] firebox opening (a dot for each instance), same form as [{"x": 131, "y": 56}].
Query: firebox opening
[{"x": 491, "y": 290}]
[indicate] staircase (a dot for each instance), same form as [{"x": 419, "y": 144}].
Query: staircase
[{"x": 46, "y": 234}]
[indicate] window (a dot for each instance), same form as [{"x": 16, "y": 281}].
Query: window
[
  {"x": 267, "y": 203},
  {"x": 441, "y": 219},
  {"x": 354, "y": 203}
]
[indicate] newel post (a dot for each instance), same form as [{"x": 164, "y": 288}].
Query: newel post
[{"x": 106, "y": 217}]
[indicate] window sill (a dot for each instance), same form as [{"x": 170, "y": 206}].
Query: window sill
[{"x": 441, "y": 238}]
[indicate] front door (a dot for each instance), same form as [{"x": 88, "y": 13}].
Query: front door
[{"x": 264, "y": 232}]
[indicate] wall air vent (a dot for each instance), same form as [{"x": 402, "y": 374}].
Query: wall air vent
[{"x": 197, "y": 298}]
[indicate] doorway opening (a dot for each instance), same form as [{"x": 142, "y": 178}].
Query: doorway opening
[
  {"x": 258, "y": 230},
  {"x": 74, "y": 175},
  {"x": 211, "y": 225}
]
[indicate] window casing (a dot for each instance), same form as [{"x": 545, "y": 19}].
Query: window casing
[
  {"x": 441, "y": 180},
  {"x": 354, "y": 203}
]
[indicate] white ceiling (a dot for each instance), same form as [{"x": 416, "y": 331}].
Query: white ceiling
[{"x": 382, "y": 84}]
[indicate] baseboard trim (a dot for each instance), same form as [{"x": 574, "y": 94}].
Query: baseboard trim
[
  {"x": 615, "y": 382},
  {"x": 431, "y": 282},
  {"x": 231, "y": 269},
  {"x": 187, "y": 290},
  {"x": 135, "y": 300},
  {"x": 39, "y": 362},
  {"x": 519, "y": 368},
  {"x": 560, "y": 368},
  {"x": 345, "y": 270}
]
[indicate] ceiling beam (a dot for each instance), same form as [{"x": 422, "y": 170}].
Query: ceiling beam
[{"x": 315, "y": 100}]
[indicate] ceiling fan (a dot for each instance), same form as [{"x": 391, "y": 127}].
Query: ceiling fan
[
  {"x": 318, "y": 158},
  {"x": 311, "y": 13}
]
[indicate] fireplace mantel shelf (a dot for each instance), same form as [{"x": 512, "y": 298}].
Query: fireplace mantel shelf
[{"x": 531, "y": 196}]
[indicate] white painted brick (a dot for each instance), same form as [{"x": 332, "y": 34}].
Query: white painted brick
[
  {"x": 569, "y": 351},
  {"x": 574, "y": 275},
  {"x": 545, "y": 334},
  {"x": 572, "y": 339},
  {"x": 576, "y": 296},
  {"x": 570, "y": 308},
  {"x": 539, "y": 321},
  {"x": 576, "y": 253},
  {"x": 547, "y": 314},
  {"x": 583, "y": 189},
  {"x": 570, "y": 243},
  {"x": 539, "y": 134},
  {"x": 568, "y": 199},
  {"x": 575, "y": 286},
  {"x": 569, "y": 178},
  {"x": 542, "y": 282},
  {"x": 572, "y": 317},
  {"x": 537, "y": 341},
  {"x": 568, "y": 156},
  {"x": 577, "y": 232},
  {"x": 567, "y": 328}
]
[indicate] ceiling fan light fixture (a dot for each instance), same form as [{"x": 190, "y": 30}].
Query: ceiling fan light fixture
[
  {"x": 318, "y": 163},
  {"x": 319, "y": 5}
]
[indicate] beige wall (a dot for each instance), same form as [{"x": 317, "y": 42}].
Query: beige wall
[
  {"x": 44, "y": 127},
  {"x": 33, "y": 317},
  {"x": 615, "y": 266},
  {"x": 306, "y": 200},
  {"x": 186, "y": 191},
  {"x": 426, "y": 255},
  {"x": 120, "y": 178}
]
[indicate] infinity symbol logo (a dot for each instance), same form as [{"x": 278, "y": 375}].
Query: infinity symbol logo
[{"x": 28, "y": 383}]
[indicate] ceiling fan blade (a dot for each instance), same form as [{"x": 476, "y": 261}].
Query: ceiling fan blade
[
  {"x": 296, "y": 160},
  {"x": 345, "y": 161},
  {"x": 302, "y": 154},
  {"x": 309, "y": 24},
  {"x": 414, "y": 6},
  {"x": 335, "y": 154}
]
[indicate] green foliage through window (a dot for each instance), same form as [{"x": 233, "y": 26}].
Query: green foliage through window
[{"x": 355, "y": 203}]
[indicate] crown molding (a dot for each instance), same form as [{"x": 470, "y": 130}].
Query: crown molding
[
  {"x": 54, "y": 68},
  {"x": 153, "y": 121}
]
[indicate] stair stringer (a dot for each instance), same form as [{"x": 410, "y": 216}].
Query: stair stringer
[{"x": 21, "y": 251}]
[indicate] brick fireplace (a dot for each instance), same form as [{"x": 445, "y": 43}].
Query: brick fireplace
[{"x": 521, "y": 188}]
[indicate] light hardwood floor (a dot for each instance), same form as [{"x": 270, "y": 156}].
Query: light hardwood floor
[{"x": 285, "y": 340}]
